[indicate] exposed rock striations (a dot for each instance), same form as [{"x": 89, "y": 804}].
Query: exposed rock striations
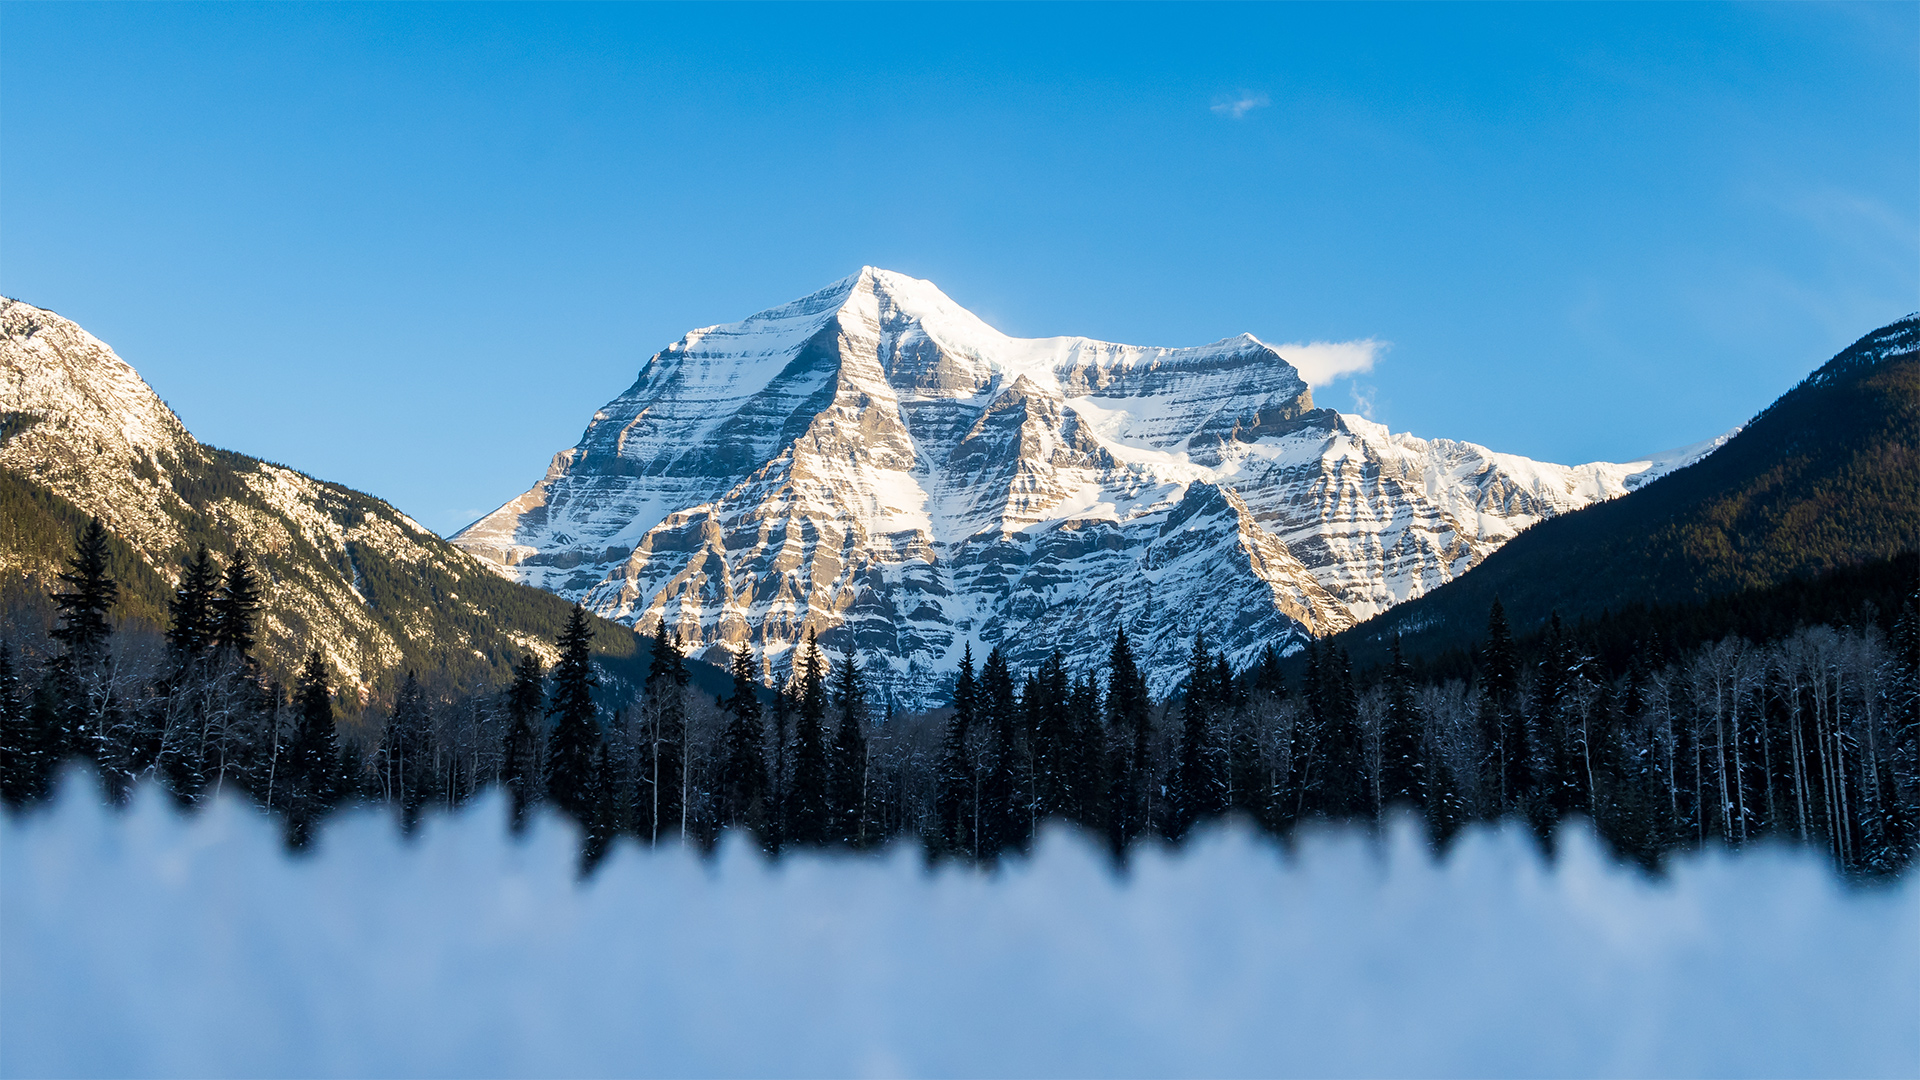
[{"x": 875, "y": 463}]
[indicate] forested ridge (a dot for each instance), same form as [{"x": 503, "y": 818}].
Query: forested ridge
[
  {"x": 1826, "y": 477},
  {"x": 450, "y": 647},
  {"x": 1804, "y": 732}
]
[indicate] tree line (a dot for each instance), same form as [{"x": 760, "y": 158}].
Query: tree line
[{"x": 1812, "y": 736}]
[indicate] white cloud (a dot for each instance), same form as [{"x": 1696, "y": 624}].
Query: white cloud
[
  {"x": 1321, "y": 362},
  {"x": 1242, "y": 105}
]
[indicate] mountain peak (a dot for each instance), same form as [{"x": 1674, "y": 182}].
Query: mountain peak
[{"x": 875, "y": 463}]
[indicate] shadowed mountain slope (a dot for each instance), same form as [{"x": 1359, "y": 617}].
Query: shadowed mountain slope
[{"x": 1826, "y": 477}]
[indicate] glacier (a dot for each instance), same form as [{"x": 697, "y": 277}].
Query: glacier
[{"x": 874, "y": 464}]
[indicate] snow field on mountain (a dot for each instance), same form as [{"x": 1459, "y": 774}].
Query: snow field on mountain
[
  {"x": 877, "y": 422},
  {"x": 144, "y": 943}
]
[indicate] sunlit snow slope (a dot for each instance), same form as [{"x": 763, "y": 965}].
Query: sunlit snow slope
[
  {"x": 875, "y": 463},
  {"x": 148, "y": 944}
]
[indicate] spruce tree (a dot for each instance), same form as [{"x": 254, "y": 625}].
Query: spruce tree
[
  {"x": 1086, "y": 762},
  {"x": 1003, "y": 819},
  {"x": 744, "y": 787},
  {"x": 1129, "y": 742},
  {"x": 76, "y": 683},
  {"x": 1402, "y": 768},
  {"x": 576, "y": 724},
  {"x": 1342, "y": 793},
  {"x": 191, "y": 626},
  {"x": 847, "y": 758},
  {"x": 175, "y": 737},
  {"x": 957, "y": 800},
  {"x": 807, "y": 812},
  {"x": 603, "y": 818},
  {"x": 1271, "y": 805},
  {"x": 1308, "y": 772},
  {"x": 1268, "y": 677},
  {"x": 406, "y": 754},
  {"x": 24, "y": 753},
  {"x": 666, "y": 750},
  {"x": 781, "y": 780},
  {"x": 1548, "y": 770},
  {"x": 1196, "y": 790},
  {"x": 236, "y": 609},
  {"x": 89, "y": 595},
  {"x": 1247, "y": 788},
  {"x": 1055, "y": 775},
  {"x": 520, "y": 759},
  {"x": 313, "y": 759},
  {"x": 1505, "y": 774}
]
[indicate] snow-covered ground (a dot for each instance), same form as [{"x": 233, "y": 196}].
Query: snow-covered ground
[{"x": 151, "y": 944}]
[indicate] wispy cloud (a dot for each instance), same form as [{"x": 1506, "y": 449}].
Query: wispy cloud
[
  {"x": 1242, "y": 105},
  {"x": 1364, "y": 395},
  {"x": 1322, "y": 362}
]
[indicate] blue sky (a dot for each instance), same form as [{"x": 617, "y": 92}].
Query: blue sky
[{"x": 412, "y": 248}]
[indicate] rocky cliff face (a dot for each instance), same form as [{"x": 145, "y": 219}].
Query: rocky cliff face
[
  {"x": 346, "y": 573},
  {"x": 874, "y": 463}
]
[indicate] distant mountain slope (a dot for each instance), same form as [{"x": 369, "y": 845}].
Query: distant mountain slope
[
  {"x": 81, "y": 434},
  {"x": 875, "y": 463},
  {"x": 1828, "y": 476}
]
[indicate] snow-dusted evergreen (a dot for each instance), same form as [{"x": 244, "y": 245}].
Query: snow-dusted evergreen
[{"x": 875, "y": 463}]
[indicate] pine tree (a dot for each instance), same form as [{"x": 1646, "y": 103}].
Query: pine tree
[
  {"x": 520, "y": 766},
  {"x": 576, "y": 723},
  {"x": 807, "y": 812},
  {"x": 847, "y": 758},
  {"x": 191, "y": 632},
  {"x": 958, "y": 800},
  {"x": 236, "y": 610},
  {"x": 744, "y": 788},
  {"x": 313, "y": 761}
]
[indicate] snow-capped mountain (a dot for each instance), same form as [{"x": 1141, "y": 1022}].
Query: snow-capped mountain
[
  {"x": 875, "y": 463},
  {"x": 376, "y": 592}
]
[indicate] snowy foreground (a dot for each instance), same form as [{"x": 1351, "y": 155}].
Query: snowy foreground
[{"x": 148, "y": 943}]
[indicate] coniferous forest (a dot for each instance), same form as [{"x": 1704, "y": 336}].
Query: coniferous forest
[{"x": 1790, "y": 713}]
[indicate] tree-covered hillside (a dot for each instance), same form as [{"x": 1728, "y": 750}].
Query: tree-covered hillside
[
  {"x": 1827, "y": 477},
  {"x": 459, "y": 632}
]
